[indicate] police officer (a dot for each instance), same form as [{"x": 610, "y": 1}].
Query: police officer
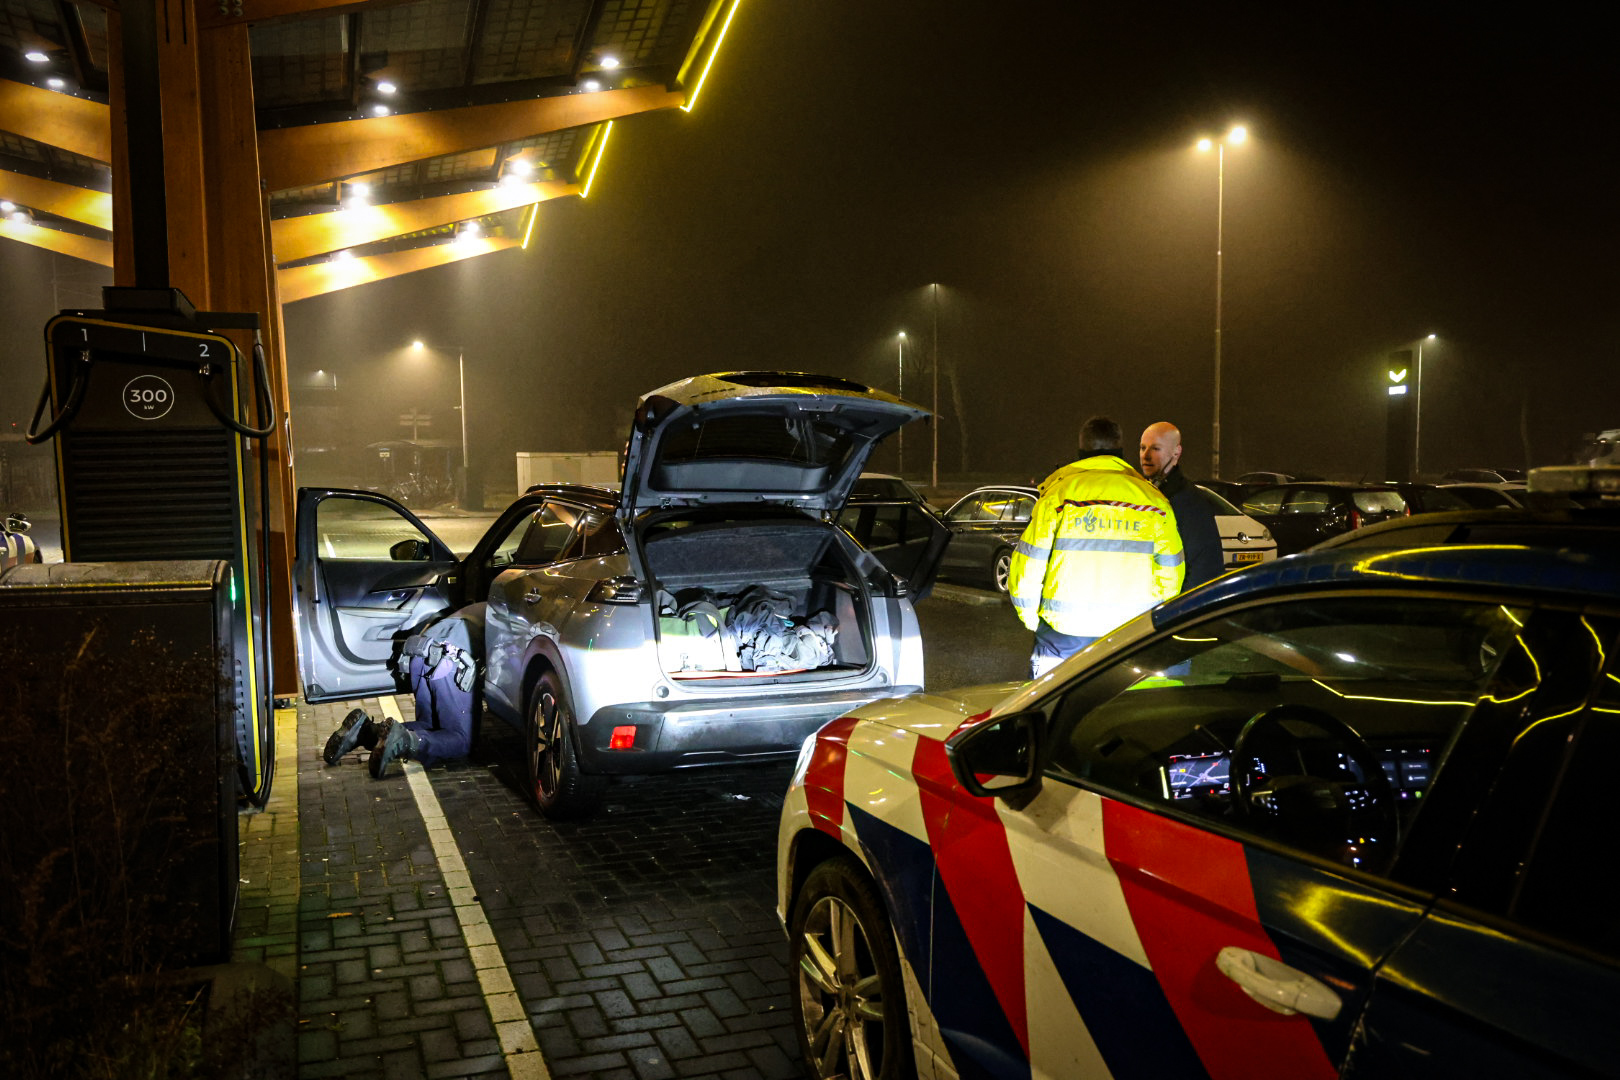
[
  {"x": 441, "y": 664},
  {"x": 1101, "y": 548}
]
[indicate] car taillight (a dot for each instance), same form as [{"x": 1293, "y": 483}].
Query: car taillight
[
  {"x": 616, "y": 590},
  {"x": 623, "y": 738}
]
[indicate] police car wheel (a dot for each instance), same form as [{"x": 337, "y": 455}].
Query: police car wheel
[
  {"x": 848, "y": 998},
  {"x": 560, "y": 790}
]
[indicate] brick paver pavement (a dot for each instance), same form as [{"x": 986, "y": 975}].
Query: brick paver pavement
[{"x": 641, "y": 943}]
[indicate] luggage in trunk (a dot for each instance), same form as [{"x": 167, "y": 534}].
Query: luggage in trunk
[{"x": 764, "y": 598}]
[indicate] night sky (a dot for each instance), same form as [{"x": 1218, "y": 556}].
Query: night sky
[{"x": 1410, "y": 171}]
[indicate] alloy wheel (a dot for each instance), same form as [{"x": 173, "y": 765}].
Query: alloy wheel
[{"x": 840, "y": 993}]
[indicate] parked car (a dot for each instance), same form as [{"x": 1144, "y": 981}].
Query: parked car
[
  {"x": 1244, "y": 541},
  {"x": 708, "y": 612},
  {"x": 1595, "y": 531},
  {"x": 1344, "y": 814},
  {"x": 887, "y": 515},
  {"x": 1303, "y": 514},
  {"x": 884, "y": 487},
  {"x": 1262, "y": 477},
  {"x": 1509, "y": 496},
  {"x": 1231, "y": 490},
  {"x": 985, "y": 525},
  {"x": 1485, "y": 476}
]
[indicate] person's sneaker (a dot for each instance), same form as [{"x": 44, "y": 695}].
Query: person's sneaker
[
  {"x": 394, "y": 743},
  {"x": 356, "y": 730}
]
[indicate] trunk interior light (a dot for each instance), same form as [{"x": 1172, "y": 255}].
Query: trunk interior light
[{"x": 624, "y": 738}]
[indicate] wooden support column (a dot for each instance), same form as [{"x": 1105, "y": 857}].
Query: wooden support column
[
  {"x": 241, "y": 277},
  {"x": 183, "y": 149},
  {"x": 218, "y": 236}
]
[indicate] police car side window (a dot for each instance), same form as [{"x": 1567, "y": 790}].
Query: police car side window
[
  {"x": 1358, "y": 700},
  {"x": 1562, "y": 877}
]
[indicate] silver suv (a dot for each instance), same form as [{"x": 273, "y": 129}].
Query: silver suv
[{"x": 711, "y": 611}]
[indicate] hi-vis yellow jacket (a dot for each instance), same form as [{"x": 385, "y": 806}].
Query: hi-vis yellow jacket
[{"x": 1101, "y": 548}]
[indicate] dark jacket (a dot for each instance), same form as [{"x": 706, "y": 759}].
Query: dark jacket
[{"x": 1200, "y": 536}]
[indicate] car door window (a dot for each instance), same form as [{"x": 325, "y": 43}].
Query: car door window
[
  {"x": 596, "y": 534},
  {"x": 348, "y": 528},
  {"x": 1306, "y": 502},
  {"x": 977, "y": 508},
  {"x": 549, "y": 530},
  {"x": 1380, "y": 502},
  {"x": 1267, "y": 501},
  {"x": 1318, "y": 724},
  {"x": 1018, "y": 510}
]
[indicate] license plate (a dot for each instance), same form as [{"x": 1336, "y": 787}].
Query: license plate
[{"x": 1249, "y": 556}]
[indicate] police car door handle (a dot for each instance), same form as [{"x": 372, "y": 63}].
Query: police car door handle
[
  {"x": 532, "y": 596},
  {"x": 1277, "y": 986}
]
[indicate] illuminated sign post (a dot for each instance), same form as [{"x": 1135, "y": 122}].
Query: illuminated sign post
[{"x": 1400, "y": 434}]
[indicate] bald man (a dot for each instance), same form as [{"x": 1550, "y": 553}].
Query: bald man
[{"x": 1160, "y": 452}]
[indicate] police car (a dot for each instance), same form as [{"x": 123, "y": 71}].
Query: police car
[{"x": 1343, "y": 814}]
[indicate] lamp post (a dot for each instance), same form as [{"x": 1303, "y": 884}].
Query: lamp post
[
  {"x": 1234, "y": 137},
  {"x": 900, "y": 378},
  {"x": 461, "y": 384},
  {"x": 934, "y": 475},
  {"x": 1417, "y": 432}
]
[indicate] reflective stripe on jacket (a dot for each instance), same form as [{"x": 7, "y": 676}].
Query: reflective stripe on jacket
[{"x": 1101, "y": 548}]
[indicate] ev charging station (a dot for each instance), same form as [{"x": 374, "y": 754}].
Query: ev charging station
[{"x": 149, "y": 404}]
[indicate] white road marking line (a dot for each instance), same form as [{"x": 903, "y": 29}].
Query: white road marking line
[{"x": 512, "y": 1028}]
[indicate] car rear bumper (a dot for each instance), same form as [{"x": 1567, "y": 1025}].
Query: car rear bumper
[{"x": 671, "y": 735}]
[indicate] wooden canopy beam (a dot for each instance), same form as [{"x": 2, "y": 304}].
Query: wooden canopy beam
[
  {"x": 303, "y": 282},
  {"x": 303, "y": 156},
  {"x": 316, "y": 234},
  {"x": 64, "y": 200},
  {"x": 253, "y": 12},
  {"x": 63, "y": 243},
  {"x": 61, "y": 120}
]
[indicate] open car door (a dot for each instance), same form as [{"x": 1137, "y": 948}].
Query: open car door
[
  {"x": 367, "y": 572},
  {"x": 907, "y": 538}
]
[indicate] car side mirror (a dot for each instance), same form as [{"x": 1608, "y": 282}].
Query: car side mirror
[
  {"x": 1000, "y": 758},
  {"x": 413, "y": 550}
]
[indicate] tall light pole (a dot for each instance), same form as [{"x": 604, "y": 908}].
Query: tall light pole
[
  {"x": 900, "y": 378},
  {"x": 1234, "y": 137},
  {"x": 934, "y": 481},
  {"x": 461, "y": 384},
  {"x": 1417, "y": 433}
]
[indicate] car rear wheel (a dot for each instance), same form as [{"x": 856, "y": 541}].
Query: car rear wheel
[
  {"x": 560, "y": 789},
  {"x": 848, "y": 1000},
  {"x": 1000, "y": 569}
]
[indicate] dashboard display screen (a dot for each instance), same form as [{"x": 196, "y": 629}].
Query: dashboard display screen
[{"x": 1187, "y": 775}]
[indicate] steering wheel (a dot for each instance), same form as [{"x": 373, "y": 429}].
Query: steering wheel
[{"x": 1352, "y": 821}]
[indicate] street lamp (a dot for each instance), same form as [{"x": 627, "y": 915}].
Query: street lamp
[
  {"x": 461, "y": 382},
  {"x": 900, "y": 376},
  {"x": 934, "y": 481},
  {"x": 1235, "y": 137},
  {"x": 1417, "y": 433}
]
